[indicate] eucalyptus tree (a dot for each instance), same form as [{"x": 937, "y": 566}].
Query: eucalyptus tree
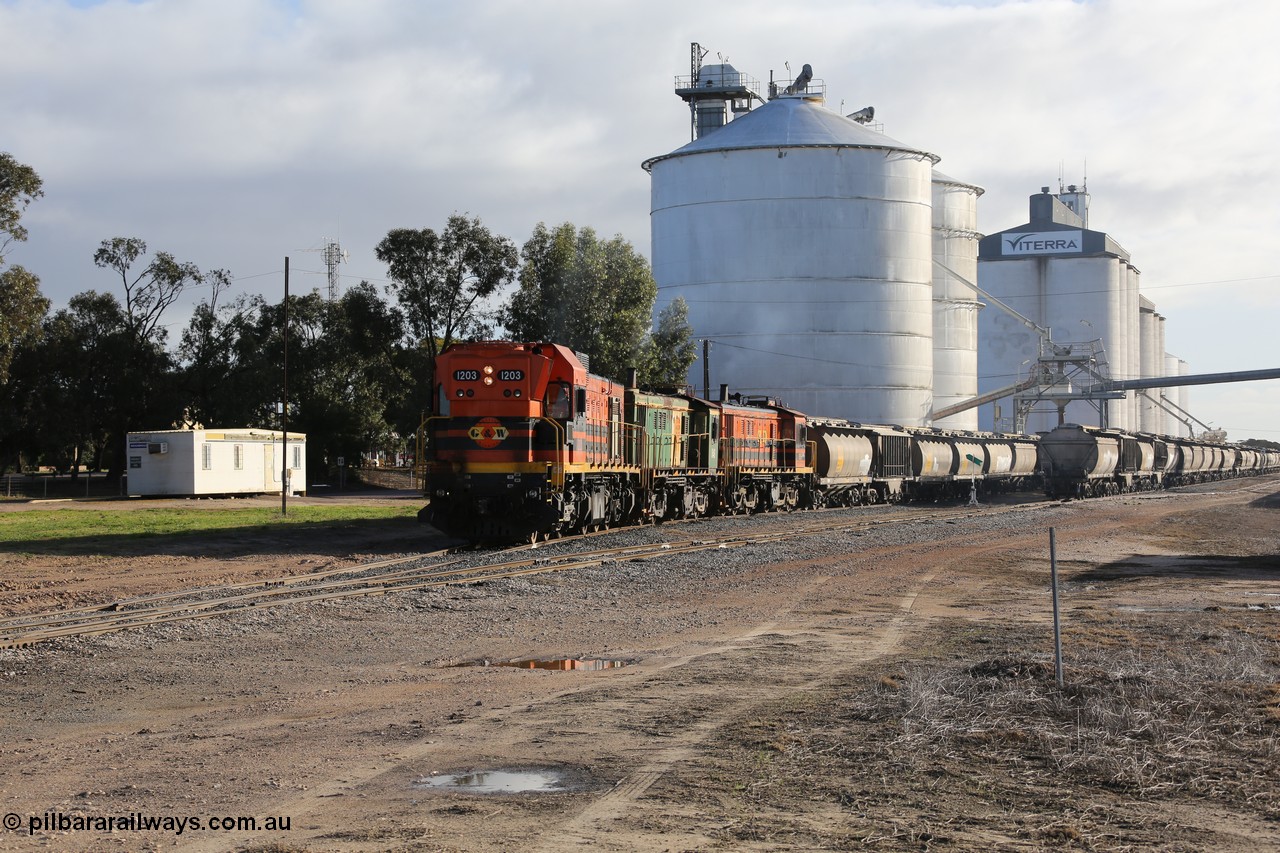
[
  {"x": 595, "y": 296},
  {"x": 19, "y": 186},
  {"x": 22, "y": 308},
  {"x": 441, "y": 281},
  {"x": 671, "y": 350},
  {"x": 149, "y": 291}
]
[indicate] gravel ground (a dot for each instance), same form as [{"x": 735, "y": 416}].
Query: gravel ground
[{"x": 765, "y": 701}]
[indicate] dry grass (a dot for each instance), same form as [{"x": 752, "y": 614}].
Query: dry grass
[
  {"x": 1180, "y": 714},
  {"x": 979, "y": 742}
]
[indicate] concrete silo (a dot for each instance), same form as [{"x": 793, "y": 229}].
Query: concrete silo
[
  {"x": 801, "y": 241},
  {"x": 955, "y": 304},
  {"x": 1184, "y": 398},
  {"x": 1151, "y": 416},
  {"x": 1132, "y": 340},
  {"x": 1078, "y": 284}
]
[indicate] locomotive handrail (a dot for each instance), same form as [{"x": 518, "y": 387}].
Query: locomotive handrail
[
  {"x": 420, "y": 463},
  {"x": 557, "y": 468},
  {"x": 689, "y": 438},
  {"x": 773, "y": 450}
]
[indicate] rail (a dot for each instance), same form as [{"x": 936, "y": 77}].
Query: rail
[{"x": 364, "y": 580}]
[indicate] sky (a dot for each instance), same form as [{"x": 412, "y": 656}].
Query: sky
[{"x": 235, "y": 133}]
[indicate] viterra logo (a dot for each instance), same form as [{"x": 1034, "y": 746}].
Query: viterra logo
[
  {"x": 488, "y": 432},
  {"x": 1043, "y": 242}
]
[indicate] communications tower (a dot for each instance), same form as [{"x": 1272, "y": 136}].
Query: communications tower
[{"x": 333, "y": 255}]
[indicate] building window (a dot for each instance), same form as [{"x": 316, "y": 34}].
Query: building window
[
  {"x": 239, "y": 456},
  {"x": 297, "y": 457},
  {"x": 206, "y": 457}
]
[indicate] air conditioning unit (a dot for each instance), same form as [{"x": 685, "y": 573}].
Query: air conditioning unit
[{"x": 158, "y": 447}]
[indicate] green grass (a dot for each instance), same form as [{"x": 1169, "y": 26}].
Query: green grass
[{"x": 36, "y": 526}]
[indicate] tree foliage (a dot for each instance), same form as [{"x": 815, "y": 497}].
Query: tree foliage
[
  {"x": 150, "y": 291},
  {"x": 671, "y": 350},
  {"x": 349, "y": 378},
  {"x": 19, "y": 186},
  {"x": 595, "y": 296},
  {"x": 22, "y": 309},
  {"x": 440, "y": 280},
  {"x": 73, "y": 383},
  {"x": 21, "y": 306}
]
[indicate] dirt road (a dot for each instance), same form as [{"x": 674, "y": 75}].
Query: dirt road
[{"x": 889, "y": 690}]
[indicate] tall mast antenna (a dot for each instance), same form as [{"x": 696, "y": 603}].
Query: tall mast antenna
[{"x": 333, "y": 255}]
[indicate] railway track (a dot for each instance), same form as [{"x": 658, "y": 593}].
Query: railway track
[{"x": 410, "y": 573}]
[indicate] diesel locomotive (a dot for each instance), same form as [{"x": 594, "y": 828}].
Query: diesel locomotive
[{"x": 527, "y": 442}]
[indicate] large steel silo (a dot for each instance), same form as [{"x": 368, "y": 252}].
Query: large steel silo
[
  {"x": 955, "y": 304},
  {"x": 1151, "y": 415},
  {"x": 1085, "y": 298},
  {"x": 800, "y": 240},
  {"x": 1172, "y": 422},
  {"x": 1131, "y": 337},
  {"x": 1077, "y": 283},
  {"x": 1184, "y": 397},
  {"x": 1161, "y": 413}
]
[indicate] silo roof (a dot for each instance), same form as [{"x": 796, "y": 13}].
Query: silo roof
[
  {"x": 939, "y": 178},
  {"x": 791, "y": 122}
]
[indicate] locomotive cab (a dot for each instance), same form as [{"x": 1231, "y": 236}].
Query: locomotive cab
[{"x": 530, "y": 442}]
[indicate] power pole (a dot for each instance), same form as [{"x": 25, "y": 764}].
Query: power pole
[
  {"x": 284, "y": 410},
  {"x": 706, "y": 369}
]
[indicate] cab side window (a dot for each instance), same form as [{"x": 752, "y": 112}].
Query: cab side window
[{"x": 558, "y": 401}]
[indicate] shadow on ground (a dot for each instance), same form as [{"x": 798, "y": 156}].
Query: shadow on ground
[
  {"x": 1217, "y": 567},
  {"x": 1271, "y": 501},
  {"x": 331, "y": 538}
]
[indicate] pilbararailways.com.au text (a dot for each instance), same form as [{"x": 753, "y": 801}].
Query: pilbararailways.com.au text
[{"x": 140, "y": 822}]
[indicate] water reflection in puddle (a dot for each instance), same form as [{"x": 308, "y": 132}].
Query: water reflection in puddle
[
  {"x": 496, "y": 781},
  {"x": 560, "y": 664}
]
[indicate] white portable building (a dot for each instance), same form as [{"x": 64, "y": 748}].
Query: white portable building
[{"x": 214, "y": 462}]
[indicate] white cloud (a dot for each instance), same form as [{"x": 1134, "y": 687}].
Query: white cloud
[{"x": 234, "y": 133}]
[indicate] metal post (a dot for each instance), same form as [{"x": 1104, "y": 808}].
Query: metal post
[
  {"x": 706, "y": 369},
  {"x": 1057, "y": 625},
  {"x": 284, "y": 415}
]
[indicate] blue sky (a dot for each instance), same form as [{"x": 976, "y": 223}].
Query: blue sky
[{"x": 236, "y": 132}]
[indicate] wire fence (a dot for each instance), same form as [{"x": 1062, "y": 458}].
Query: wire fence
[{"x": 53, "y": 487}]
